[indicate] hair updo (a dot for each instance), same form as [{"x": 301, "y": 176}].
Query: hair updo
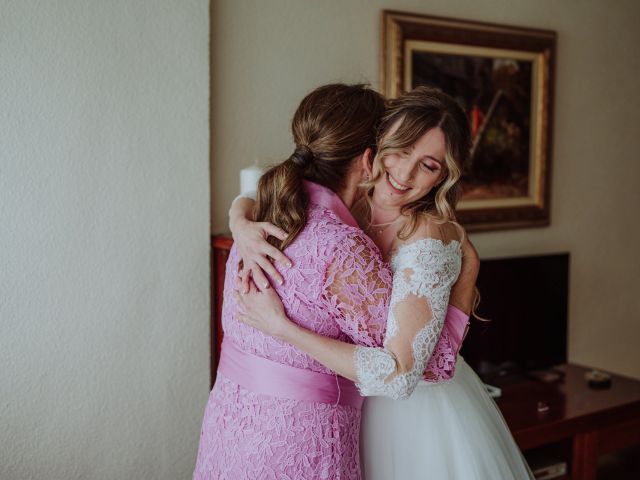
[
  {"x": 333, "y": 125},
  {"x": 302, "y": 156}
]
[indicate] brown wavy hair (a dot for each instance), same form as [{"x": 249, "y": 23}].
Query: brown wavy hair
[{"x": 333, "y": 125}]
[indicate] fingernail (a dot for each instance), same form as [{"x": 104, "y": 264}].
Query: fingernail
[
  {"x": 289, "y": 264},
  {"x": 265, "y": 285},
  {"x": 280, "y": 281}
]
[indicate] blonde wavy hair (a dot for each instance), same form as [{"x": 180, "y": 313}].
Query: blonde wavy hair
[{"x": 417, "y": 112}]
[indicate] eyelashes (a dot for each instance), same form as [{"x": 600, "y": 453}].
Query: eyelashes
[
  {"x": 430, "y": 168},
  {"x": 425, "y": 166}
]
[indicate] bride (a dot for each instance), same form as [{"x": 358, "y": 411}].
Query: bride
[{"x": 418, "y": 422}]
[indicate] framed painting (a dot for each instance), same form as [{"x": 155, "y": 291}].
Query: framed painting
[{"x": 503, "y": 78}]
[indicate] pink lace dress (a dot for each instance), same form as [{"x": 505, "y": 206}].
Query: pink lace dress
[{"x": 338, "y": 287}]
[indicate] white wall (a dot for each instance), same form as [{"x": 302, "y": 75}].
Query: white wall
[
  {"x": 267, "y": 55},
  {"x": 104, "y": 263}
]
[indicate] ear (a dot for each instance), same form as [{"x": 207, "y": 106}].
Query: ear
[{"x": 367, "y": 162}]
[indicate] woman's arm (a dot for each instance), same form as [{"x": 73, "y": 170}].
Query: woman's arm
[
  {"x": 251, "y": 241},
  {"x": 391, "y": 371},
  {"x": 417, "y": 312},
  {"x": 356, "y": 292},
  {"x": 241, "y": 210},
  {"x": 264, "y": 311}
]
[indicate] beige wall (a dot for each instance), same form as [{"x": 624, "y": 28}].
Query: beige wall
[
  {"x": 267, "y": 55},
  {"x": 104, "y": 263}
]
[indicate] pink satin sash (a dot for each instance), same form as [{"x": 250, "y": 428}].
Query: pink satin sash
[
  {"x": 456, "y": 324},
  {"x": 267, "y": 377}
]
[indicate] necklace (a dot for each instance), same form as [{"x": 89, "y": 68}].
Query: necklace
[{"x": 381, "y": 227}]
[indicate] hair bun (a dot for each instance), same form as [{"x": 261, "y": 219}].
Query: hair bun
[{"x": 302, "y": 156}]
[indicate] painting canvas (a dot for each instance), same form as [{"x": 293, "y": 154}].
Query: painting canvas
[{"x": 501, "y": 77}]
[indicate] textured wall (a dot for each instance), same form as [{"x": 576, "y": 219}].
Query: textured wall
[
  {"x": 267, "y": 55},
  {"x": 104, "y": 208}
]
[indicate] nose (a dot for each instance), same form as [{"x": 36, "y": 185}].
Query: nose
[{"x": 406, "y": 173}]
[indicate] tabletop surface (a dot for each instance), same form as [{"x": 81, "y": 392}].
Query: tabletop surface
[{"x": 568, "y": 399}]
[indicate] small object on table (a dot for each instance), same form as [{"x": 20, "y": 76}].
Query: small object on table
[
  {"x": 598, "y": 380},
  {"x": 543, "y": 407}
]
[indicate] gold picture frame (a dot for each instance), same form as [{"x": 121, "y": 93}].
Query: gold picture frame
[{"x": 503, "y": 77}]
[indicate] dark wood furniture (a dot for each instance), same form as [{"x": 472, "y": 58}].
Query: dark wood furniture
[
  {"x": 580, "y": 424},
  {"x": 220, "y": 246}
]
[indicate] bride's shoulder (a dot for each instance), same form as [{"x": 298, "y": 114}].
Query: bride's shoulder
[
  {"x": 428, "y": 226},
  {"x": 431, "y": 242}
]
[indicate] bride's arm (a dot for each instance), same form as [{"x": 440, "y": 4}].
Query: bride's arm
[
  {"x": 250, "y": 238},
  {"x": 463, "y": 293},
  {"x": 418, "y": 307},
  {"x": 241, "y": 210}
]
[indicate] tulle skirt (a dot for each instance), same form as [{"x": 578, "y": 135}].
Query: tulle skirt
[{"x": 451, "y": 430}]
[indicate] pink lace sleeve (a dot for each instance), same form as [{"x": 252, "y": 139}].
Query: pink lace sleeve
[{"x": 357, "y": 290}]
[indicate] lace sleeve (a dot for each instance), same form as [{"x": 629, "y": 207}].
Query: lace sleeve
[
  {"x": 424, "y": 272},
  {"x": 357, "y": 289}
]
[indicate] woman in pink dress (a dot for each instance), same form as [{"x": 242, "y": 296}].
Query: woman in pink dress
[{"x": 275, "y": 412}]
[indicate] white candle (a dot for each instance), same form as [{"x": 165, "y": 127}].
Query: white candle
[{"x": 249, "y": 179}]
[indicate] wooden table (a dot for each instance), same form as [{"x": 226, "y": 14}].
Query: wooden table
[
  {"x": 581, "y": 422},
  {"x": 586, "y": 422}
]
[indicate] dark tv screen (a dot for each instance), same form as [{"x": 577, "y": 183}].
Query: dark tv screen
[{"x": 525, "y": 299}]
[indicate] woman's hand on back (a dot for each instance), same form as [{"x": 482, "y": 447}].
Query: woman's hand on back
[
  {"x": 262, "y": 310},
  {"x": 257, "y": 253}
]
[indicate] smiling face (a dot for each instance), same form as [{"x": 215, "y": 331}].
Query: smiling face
[
  {"x": 425, "y": 139},
  {"x": 409, "y": 174}
]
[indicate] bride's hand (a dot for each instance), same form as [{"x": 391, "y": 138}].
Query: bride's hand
[
  {"x": 257, "y": 254},
  {"x": 263, "y": 311},
  {"x": 463, "y": 292}
]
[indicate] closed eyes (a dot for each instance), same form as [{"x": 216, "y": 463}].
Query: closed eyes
[{"x": 430, "y": 167}]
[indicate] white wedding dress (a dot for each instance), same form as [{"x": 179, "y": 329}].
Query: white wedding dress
[{"x": 413, "y": 429}]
